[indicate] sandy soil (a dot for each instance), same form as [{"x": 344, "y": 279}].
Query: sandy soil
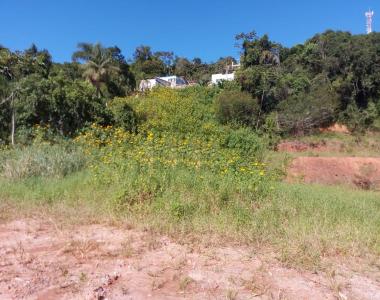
[
  {"x": 363, "y": 172},
  {"x": 40, "y": 260}
]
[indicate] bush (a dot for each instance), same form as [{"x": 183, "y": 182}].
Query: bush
[
  {"x": 236, "y": 107},
  {"x": 246, "y": 141},
  {"x": 124, "y": 115},
  {"x": 43, "y": 160},
  {"x": 166, "y": 110},
  {"x": 359, "y": 119},
  {"x": 304, "y": 113}
]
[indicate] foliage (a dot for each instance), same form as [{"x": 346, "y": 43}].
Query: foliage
[
  {"x": 167, "y": 110},
  {"x": 147, "y": 64},
  {"x": 123, "y": 115},
  {"x": 173, "y": 136},
  {"x": 246, "y": 142},
  {"x": 289, "y": 83},
  {"x": 347, "y": 63},
  {"x": 183, "y": 172},
  {"x": 305, "y": 113},
  {"x": 357, "y": 119},
  {"x": 65, "y": 105},
  {"x": 105, "y": 66},
  {"x": 236, "y": 107}
]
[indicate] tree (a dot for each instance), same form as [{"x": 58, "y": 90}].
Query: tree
[
  {"x": 99, "y": 64},
  {"x": 223, "y": 64},
  {"x": 142, "y": 54},
  {"x": 14, "y": 67},
  {"x": 167, "y": 57},
  {"x": 242, "y": 38},
  {"x": 64, "y": 104},
  {"x": 123, "y": 82},
  {"x": 147, "y": 65},
  {"x": 303, "y": 113},
  {"x": 194, "y": 70},
  {"x": 260, "y": 73}
]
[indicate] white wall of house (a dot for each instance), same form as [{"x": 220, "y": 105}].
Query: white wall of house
[
  {"x": 215, "y": 78},
  {"x": 147, "y": 84}
]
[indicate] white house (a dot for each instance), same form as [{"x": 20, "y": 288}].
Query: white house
[
  {"x": 229, "y": 74},
  {"x": 168, "y": 81},
  {"x": 215, "y": 78}
]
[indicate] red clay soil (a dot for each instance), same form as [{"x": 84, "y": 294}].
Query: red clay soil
[
  {"x": 39, "y": 260},
  {"x": 363, "y": 172}
]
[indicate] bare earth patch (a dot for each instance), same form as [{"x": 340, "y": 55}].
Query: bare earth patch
[
  {"x": 40, "y": 260},
  {"x": 363, "y": 172},
  {"x": 298, "y": 146},
  {"x": 338, "y": 128}
]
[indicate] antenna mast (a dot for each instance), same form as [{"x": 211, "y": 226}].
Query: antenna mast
[{"x": 369, "y": 15}]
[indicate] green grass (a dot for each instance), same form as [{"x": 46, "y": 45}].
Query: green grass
[
  {"x": 301, "y": 223},
  {"x": 326, "y": 221}
]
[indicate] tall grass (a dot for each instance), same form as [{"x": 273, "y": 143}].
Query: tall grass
[
  {"x": 302, "y": 224},
  {"x": 41, "y": 160}
]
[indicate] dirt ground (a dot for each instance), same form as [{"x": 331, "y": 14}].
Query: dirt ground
[
  {"x": 362, "y": 172},
  {"x": 338, "y": 128},
  {"x": 298, "y": 146},
  {"x": 41, "y": 260}
]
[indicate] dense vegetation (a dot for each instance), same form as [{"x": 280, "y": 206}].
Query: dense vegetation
[{"x": 334, "y": 76}]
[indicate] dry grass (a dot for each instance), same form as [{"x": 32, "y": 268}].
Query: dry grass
[{"x": 82, "y": 249}]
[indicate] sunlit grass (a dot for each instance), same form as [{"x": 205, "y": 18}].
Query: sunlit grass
[{"x": 301, "y": 223}]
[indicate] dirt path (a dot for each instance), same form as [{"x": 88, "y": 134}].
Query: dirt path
[{"x": 38, "y": 260}]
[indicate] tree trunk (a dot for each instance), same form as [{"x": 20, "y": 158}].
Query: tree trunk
[{"x": 13, "y": 125}]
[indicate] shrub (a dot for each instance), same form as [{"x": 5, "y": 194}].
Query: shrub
[
  {"x": 304, "y": 113},
  {"x": 229, "y": 85},
  {"x": 167, "y": 110},
  {"x": 359, "y": 119},
  {"x": 124, "y": 115},
  {"x": 246, "y": 141},
  {"x": 42, "y": 160},
  {"x": 236, "y": 107}
]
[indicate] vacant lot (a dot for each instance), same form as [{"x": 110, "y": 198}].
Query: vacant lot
[{"x": 43, "y": 260}]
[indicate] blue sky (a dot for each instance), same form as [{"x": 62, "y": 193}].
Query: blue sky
[{"x": 192, "y": 28}]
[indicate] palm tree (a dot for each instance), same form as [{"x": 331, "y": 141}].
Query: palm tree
[{"x": 98, "y": 63}]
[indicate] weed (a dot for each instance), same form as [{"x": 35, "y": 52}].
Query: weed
[
  {"x": 127, "y": 249},
  {"x": 185, "y": 282},
  {"x": 231, "y": 295},
  {"x": 83, "y": 277},
  {"x": 43, "y": 160},
  {"x": 158, "y": 284}
]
